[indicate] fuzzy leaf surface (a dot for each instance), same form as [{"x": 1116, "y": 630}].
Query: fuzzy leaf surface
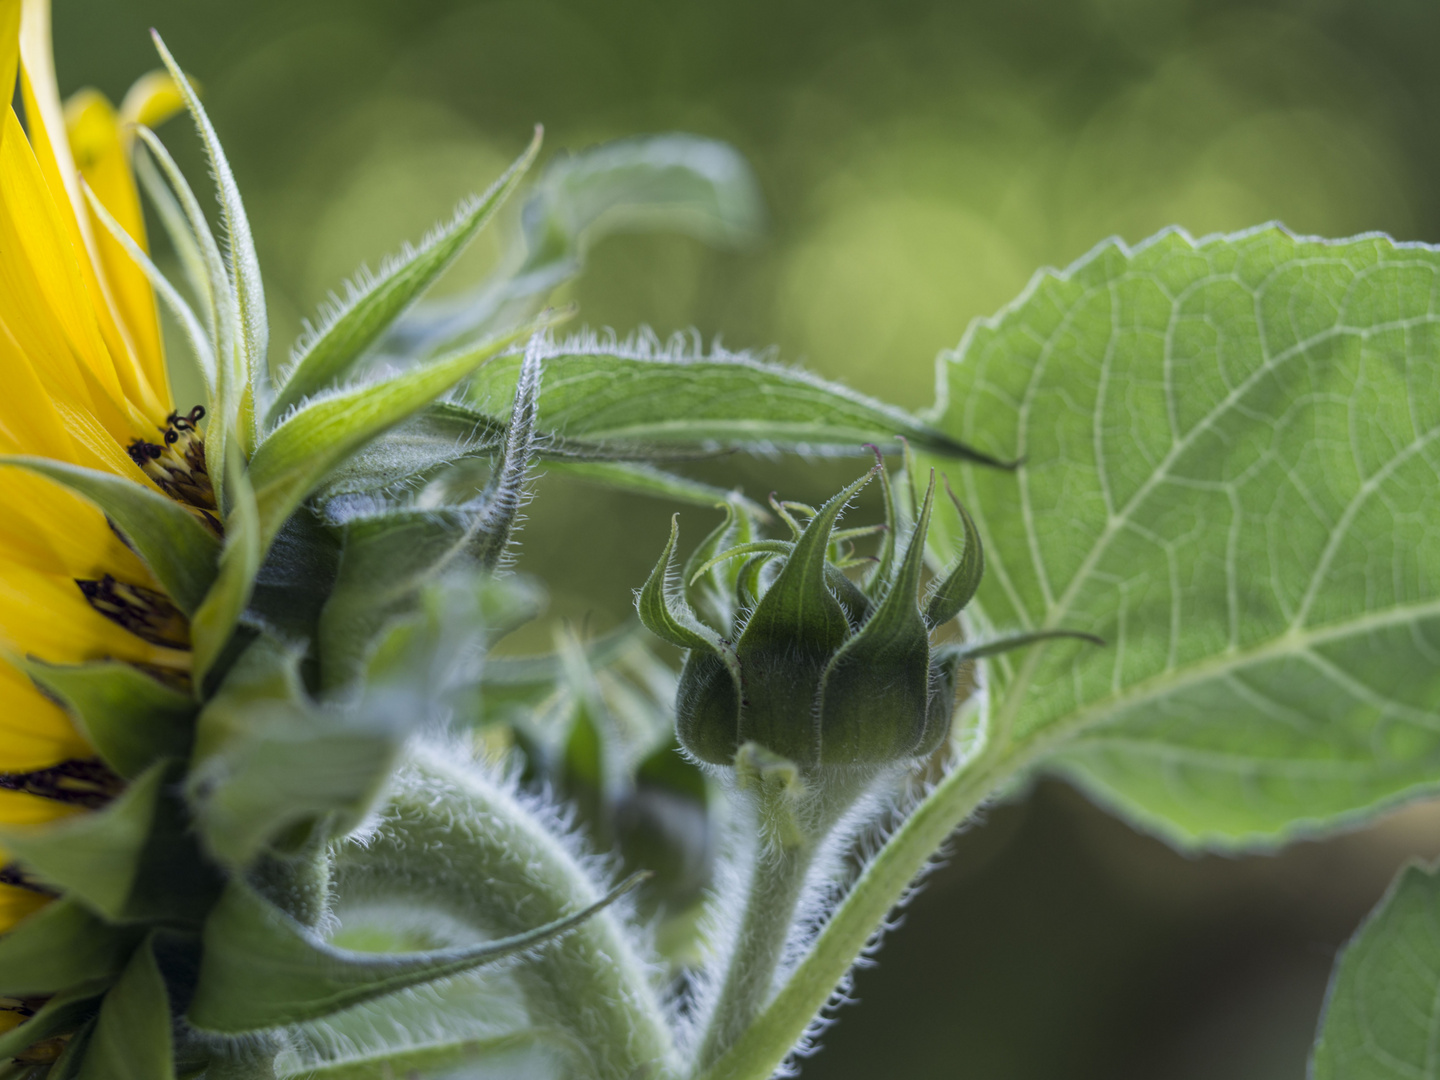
[
  {"x": 332, "y": 351},
  {"x": 672, "y": 396},
  {"x": 1232, "y": 475},
  {"x": 1384, "y": 1001},
  {"x": 701, "y": 187},
  {"x": 298, "y": 454}
]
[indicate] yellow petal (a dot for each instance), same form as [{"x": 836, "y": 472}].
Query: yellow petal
[
  {"x": 100, "y": 153},
  {"x": 48, "y": 529},
  {"x": 9, "y": 46},
  {"x": 153, "y": 99},
  {"x": 15, "y": 904},
  {"x": 39, "y": 92},
  {"x": 36, "y": 733},
  {"x": 46, "y": 616},
  {"x": 43, "y": 301}
]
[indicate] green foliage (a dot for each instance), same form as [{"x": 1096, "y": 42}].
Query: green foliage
[
  {"x": 131, "y": 1040},
  {"x": 263, "y": 970},
  {"x": 96, "y": 857},
  {"x": 1379, "y": 1020},
  {"x": 131, "y": 719},
  {"x": 672, "y": 395},
  {"x": 1230, "y": 467},
  {"x": 1196, "y": 561},
  {"x": 378, "y": 303},
  {"x": 61, "y": 946}
]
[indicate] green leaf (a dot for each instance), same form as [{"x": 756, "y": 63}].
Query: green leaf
[
  {"x": 179, "y": 550},
  {"x": 246, "y": 292},
  {"x": 60, "y": 1015},
  {"x": 672, "y": 182},
  {"x": 183, "y": 314},
  {"x": 240, "y": 559},
  {"x": 131, "y": 719},
  {"x": 131, "y": 1040},
  {"x": 680, "y": 182},
  {"x": 297, "y": 455},
  {"x": 329, "y": 352},
  {"x": 59, "y": 946},
  {"x": 197, "y": 247},
  {"x": 1384, "y": 1001},
  {"x": 643, "y": 392},
  {"x": 1231, "y": 450},
  {"x": 261, "y": 969},
  {"x": 96, "y": 856},
  {"x": 267, "y": 758},
  {"x": 386, "y": 559},
  {"x": 477, "y": 1021}
]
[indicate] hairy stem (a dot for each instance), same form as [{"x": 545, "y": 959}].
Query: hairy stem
[
  {"x": 467, "y": 846},
  {"x": 793, "y": 828},
  {"x": 775, "y": 889},
  {"x": 757, "y": 1053}
]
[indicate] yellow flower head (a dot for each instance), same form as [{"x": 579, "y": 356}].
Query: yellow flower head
[{"x": 85, "y": 383}]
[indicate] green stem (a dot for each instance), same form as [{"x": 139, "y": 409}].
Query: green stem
[
  {"x": 468, "y": 847},
  {"x": 793, "y": 824},
  {"x": 775, "y": 890},
  {"x": 774, "y": 1032}
]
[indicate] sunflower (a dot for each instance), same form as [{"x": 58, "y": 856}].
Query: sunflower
[{"x": 85, "y": 382}]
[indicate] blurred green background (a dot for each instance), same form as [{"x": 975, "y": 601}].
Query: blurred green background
[{"x": 919, "y": 159}]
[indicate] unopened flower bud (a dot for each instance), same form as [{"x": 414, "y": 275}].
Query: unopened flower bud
[{"x": 820, "y": 671}]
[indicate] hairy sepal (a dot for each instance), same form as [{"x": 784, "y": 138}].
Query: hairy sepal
[{"x": 330, "y": 352}]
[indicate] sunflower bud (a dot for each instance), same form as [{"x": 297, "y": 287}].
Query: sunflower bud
[{"x": 820, "y": 670}]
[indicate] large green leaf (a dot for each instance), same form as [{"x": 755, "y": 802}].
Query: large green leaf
[
  {"x": 1384, "y": 1003},
  {"x": 648, "y": 393},
  {"x": 1232, "y": 475}
]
